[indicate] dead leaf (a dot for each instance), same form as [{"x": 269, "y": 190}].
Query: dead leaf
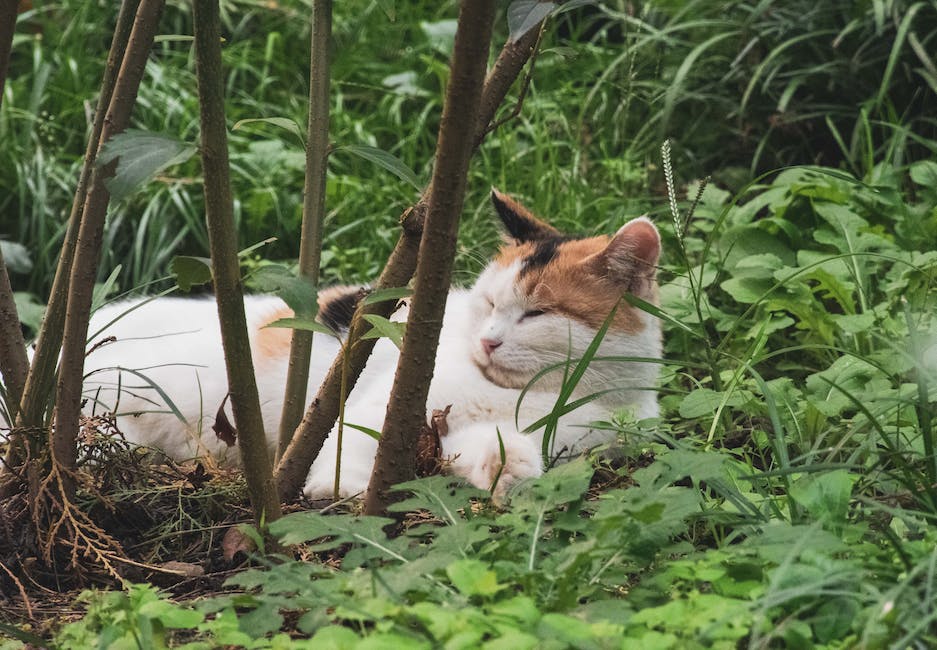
[
  {"x": 429, "y": 446},
  {"x": 223, "y": 427},
  {"x": 186, "y": 569},
  {"x": 236, "y": 541},
  {"x": 197, "y": 475},
  {"x": 438, "y": 421}
]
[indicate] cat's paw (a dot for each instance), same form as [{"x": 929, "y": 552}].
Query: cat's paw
[
  {"x": 477, "y": 457},
  {"x": 521, "y": 461},
  {"x": 320, "y": 484}
]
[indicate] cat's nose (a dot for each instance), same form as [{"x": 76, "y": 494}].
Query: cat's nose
[{"x": 490, "y": 345}]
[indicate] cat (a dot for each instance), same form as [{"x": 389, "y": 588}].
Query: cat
[{"x": 541, "y": 301}]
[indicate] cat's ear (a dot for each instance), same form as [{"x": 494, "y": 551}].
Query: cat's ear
[
  {"x": 522, "y": 226},
  {"x": 631, "y": 256}
]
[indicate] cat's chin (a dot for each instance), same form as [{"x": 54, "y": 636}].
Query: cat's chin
[{"x": 501, "y": 377}]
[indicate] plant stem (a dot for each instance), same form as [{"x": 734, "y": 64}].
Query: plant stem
[
  {"x": 8, "y": 9},
  {"x": 406, "y": 410},
  {"x": 222, "y": 239},
  {"x": 310, "y": 245},
  {"x": 13, "y": 362}
]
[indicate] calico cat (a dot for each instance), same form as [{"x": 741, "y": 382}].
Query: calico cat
[{"x": 539, "y": 302}]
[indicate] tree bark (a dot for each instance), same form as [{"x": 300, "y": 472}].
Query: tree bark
[
  {"x": 310, "y": 245},
  {"x": 87, "y": 253},
  {"x": 406, "y": 410},
  {"x": 13, "y": 362},
  {"x": 322, "y": 412},
  {"x": 8, "y": 9},
  {"x": 41, "y": 378},
  {"x": 245, "y": 401}
]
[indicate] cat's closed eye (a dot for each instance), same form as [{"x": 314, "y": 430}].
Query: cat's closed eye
[{"x": 532, "y": 313}]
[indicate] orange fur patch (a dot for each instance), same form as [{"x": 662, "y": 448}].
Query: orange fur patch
[
  {"x": 273, "y": 343},
  {"x": 572, "y": 284}
]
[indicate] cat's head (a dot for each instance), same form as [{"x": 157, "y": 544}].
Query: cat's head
[{"x": 546, "y": 294}]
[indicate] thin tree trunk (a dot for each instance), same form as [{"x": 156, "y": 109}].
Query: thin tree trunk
[
  {"x": 13, "y": 362},
  {"x": 310, "y": 245},
  {"x": 245, "y": 401},
  {"x": 406, "y": 410},
  {"x": 87, "y": 252},
  {"x": 322, "y": 412},
  {"x": 8, "y": 9},
  {"x": 41, "y": 378}
]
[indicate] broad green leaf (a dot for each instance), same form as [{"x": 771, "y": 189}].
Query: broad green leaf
[
  {"x": 286, "y": 123},
  {"x": 29, "y": 309},
  {"x": 190, "y": 271},
  {"x": 829, "y": 286},
  {"x": 834, "y": 618},
  {"x": 747, "y": 290},
  {"x": 473, "y": 578},
  {"x": 841, "y": 217},
  {"x": 332, "y": 531},
  {"x": 140, "y": 155},
  {"x": 745, "y": 241},
  {"x": 384, "y": 159},
  {"x": 523, "y": 15},
  {"x": 171, "y": 615},
  {"x": 760, "y": 266},
  {"x": 381, "y": 327},
  {"x": 335, "y": 637},
  {"x": 698, "y": 465},
  {"x": 440, "y": 495},
  {"x": 16, "y": 257},
  {"x": 393, "y": 293},
  {"x": 305, "y": 324},
  {"x": 825, "y": 496},
  {"x": 298, "y": 293},
  {"x": 703, "y": 402},
  {"x": 924, "y": 173},
  {"x": 562, "y": 484}
]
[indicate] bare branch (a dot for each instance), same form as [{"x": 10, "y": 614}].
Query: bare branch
[
  {"x": 222, "y": 239},
  {"x": 310, "y": 245},
  {"x": 406, "y": 410}
]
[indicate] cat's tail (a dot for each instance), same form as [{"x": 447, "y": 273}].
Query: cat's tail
[{"x": 337, "y": 305}]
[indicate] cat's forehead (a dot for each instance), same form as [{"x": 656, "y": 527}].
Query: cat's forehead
[
  {"x": 537, "y": 254},
  {"x": 551, "y": 274}
]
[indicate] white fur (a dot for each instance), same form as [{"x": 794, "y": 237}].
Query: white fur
[{"x": 176, "y": 344}]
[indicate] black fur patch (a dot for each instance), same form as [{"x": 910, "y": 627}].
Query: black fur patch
[
  {"x": 336, "y": 313},
  {"x": 519, "y": 223},
  {"x": 545, "y": 251}
]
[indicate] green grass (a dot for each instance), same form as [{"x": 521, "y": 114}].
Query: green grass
[{"x": 786, "y": 498}]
